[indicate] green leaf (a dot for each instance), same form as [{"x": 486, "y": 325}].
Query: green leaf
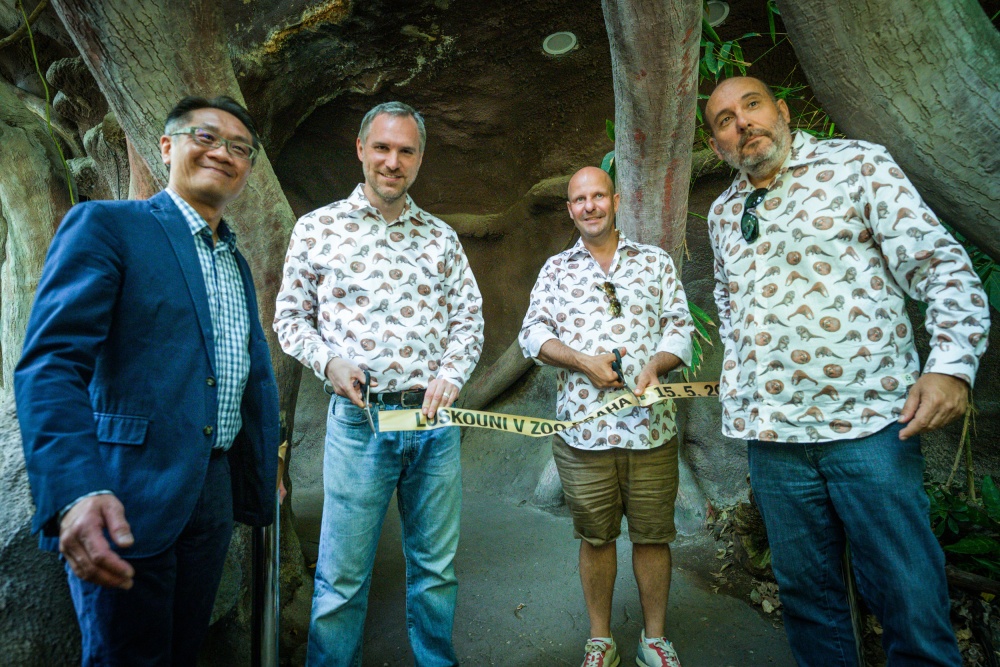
[
  {"x": 695, "y": 353},
  {"x": 609, "y": 127},
  {"x": 707, "y": 31},
  {"x": 725, "y": 50},
  {"x": 975, "y": 545},
  {"x": 699, "y": 314},
  {"x": 608, "y": 162},
  {"x": 991, "y": 498},
  {"x": 709, "y": 59}
]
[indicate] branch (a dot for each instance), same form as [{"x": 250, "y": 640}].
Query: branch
[{"x": 23, "y": 30}]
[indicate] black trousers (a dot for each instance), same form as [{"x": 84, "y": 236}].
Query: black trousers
[{"x": 162, "y": 620}]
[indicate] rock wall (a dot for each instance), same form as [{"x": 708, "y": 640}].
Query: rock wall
[{"x": 37, "y": 624}]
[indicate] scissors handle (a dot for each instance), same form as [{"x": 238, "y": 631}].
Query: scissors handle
[{"x": 616, "y": 366}]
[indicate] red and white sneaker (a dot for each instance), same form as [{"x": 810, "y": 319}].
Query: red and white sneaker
[
  {"x": 600, "y": 652},
  {"x": 656, "y": 652}
]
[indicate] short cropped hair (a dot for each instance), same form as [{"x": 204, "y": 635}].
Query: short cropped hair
[
  {"x": 183, "y": 109},
  {"x": 393, "y": 109}
]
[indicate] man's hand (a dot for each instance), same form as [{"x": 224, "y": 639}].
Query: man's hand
[
  {"x": 347, "y": 379},
  {"x": 598, "y": 370},
  {"x": 934, "y": 401},
  {"x": 659, "y": 364},
  {"x": 82, "y": 543},
  {"x": 440, "y": 394},
  {"x": 282, "y": 492}
]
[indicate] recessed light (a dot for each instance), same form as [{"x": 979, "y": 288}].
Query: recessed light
[
  {"x": 717, "y": 12},
  {"x": 559, "y": 43}
]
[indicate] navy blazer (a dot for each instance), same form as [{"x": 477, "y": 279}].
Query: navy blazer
[{"x": 116, "y": 386}]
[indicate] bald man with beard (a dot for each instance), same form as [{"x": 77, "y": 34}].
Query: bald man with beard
[{"x": 816, "y": 243}]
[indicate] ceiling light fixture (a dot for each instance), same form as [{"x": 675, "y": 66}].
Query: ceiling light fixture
[{"x": 559, "y": 43}]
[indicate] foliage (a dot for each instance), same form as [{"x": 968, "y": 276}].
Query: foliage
[
  {"x": 968, "y": 529},
  {"x": 719, "y": 57},
  {"x": 701, "y": 322}
]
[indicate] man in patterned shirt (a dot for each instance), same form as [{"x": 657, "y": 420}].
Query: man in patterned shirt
[
  {"x": 816, "y": 242},
  {"x": 374, "y": 286},
  {"x": 146, "y": 398},
  {"x": 607, "y": 293}
]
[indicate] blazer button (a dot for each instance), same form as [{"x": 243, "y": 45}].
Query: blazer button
[
  {"x": 207, "y": 430},
  {"x": 210, "y": 382}
]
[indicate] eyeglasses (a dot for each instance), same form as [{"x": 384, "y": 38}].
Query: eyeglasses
[
  {"x": 749, "y": 224},
  {"x": 203, "y": 137},
  {"x": 615, "y": 307}
]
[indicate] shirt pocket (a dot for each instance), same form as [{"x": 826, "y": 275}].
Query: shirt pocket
[{"x": 121, "y": 429}]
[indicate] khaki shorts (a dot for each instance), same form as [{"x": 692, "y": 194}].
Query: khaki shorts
[{"x": 602, "y": 485}]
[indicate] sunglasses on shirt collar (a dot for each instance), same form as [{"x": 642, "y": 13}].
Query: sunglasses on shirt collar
[{"x": 749, "y": 224}]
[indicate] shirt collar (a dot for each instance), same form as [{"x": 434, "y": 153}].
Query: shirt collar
[
  {"x": 360, "y": 201},
  {"x": 623, "y": 242},
  {"x": 198, "y": 225},
  {"x": 797, "y": 155}
]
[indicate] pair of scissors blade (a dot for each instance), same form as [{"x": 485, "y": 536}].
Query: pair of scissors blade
[{"x": 368, "y": 404}]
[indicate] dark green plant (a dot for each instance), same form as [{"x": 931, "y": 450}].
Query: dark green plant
[
  {"x": 720, "y": 57},
  {"x": 968, "y": 528}
]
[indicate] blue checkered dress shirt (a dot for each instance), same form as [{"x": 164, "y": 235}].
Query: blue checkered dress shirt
[{"x": 227, "y": 303}]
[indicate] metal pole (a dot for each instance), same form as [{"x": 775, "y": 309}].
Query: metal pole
[{"x": 265, "y": 616}]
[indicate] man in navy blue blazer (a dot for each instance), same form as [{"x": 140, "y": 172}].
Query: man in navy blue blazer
[{"x": 146, "y": 397}]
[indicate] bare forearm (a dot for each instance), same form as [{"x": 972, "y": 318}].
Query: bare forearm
[
  {"x": 664, "y": 362},
  {"x": 557, "y": 353}
]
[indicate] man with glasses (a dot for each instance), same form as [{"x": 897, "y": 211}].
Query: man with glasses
[
  {"x": 379, "y": 301},
  {"x": 146, "y": 398},
  {"x": 611, "y": 314},
  {"x": 816, "y": 243}
]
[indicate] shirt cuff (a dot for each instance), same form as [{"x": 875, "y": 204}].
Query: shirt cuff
[
  {"x": 320, "y": 358},
  {"x": 964, "y": 367},
  {"x": 70, "y": 506},
  {"x": 677, "y": 344},
  {"x": 533, "y": 341}
]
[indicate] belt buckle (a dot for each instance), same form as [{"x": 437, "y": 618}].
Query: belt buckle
[{"x": 410, "y": 392}]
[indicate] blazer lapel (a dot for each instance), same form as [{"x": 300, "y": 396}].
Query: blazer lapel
[{"x": 181, "y": 240}]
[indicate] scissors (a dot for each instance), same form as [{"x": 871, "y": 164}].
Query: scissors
[
  {"x": 367, "y": 386},
  {"x": 616, "y": 366}
]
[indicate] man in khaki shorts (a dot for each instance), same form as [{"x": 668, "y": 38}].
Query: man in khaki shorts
[{"x": 609, "y": 293}]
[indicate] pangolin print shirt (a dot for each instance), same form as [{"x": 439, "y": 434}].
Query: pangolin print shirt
[
  {"x": 398, "y": 299},
  {"x": 818, "y": 345},
  {"x": 568, "y": 304}
]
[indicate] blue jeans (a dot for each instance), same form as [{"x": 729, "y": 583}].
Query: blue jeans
[
  {"x": 870, "y": 492},
  {"x": 360, "y": 472}
]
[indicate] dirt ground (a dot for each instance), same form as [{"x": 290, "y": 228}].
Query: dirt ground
[{"x": 520, "y": 602}]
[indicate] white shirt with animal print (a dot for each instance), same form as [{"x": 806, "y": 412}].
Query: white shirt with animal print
[
  {"x": 569, "y": 305},
  {"x": 398, "y": 299},
  {"x": 818, "y": 345}
]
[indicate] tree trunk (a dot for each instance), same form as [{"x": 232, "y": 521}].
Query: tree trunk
[
  {"x": 654, "y": 58},
  {"x": 145, "y": 57},
  {"x": 921, "y": 77},
  {"x": 34, "y": 196}
]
